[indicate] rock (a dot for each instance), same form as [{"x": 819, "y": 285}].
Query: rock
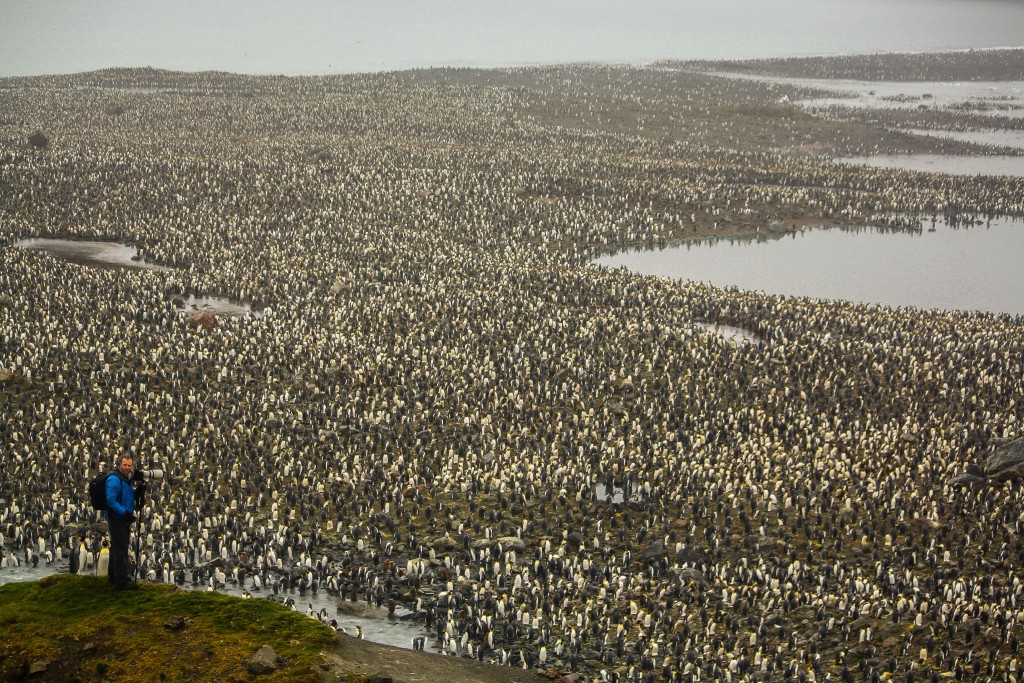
[
  {"x": 968, "y": 480},
  {"x": 1007, "y": 462},
  {"x": 445, "y": 543},
  {"x": 38, "y": 140},
  {"x": 653, "y": 551},
  {"x": 512, "y": 543},
  {"x": 38, "y": 667},
  {"x": 263, "y": 662},
  {"x": 321, "y": 154},
  {"x": 922, "y": 524},
  {"x": 203, "y": 319},
  {"x": 575, "y": 539},
  {"x": 175, "y": 623},
  {"x": 691, "y": 556},
  {"x": 6, "y": 376},
  {"x": 379, "y": 678},
  {"x": 691, "y": 575},
  {"x": 571, "y": 678},
  {"x": 113, "y": 110}
]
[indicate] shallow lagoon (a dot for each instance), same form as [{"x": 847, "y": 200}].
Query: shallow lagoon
[
  {"x": 975, "y": 268},
  {"x": 944, "y": 163},
  {"x": 996, "y": 138},
  {"x": 995, "y": 98}
]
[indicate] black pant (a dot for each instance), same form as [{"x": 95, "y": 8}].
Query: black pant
[{"x": 117, "y": 571}]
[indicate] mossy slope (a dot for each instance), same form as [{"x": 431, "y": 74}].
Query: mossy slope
[{"x": 86, "y": 631}]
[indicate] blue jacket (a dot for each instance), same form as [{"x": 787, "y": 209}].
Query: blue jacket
[{"x": 120, "y": 496}]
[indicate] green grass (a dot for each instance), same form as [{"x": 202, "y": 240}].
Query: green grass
[{"x": 89, "y": 632}]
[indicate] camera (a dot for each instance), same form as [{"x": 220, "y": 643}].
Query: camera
[{"x": 143, "y": 475}]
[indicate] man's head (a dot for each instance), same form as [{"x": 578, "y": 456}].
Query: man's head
[{"x": 125, "y": 466}]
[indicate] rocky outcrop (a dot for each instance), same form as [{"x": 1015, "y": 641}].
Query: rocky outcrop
[
  {"x": 973, "y": 477},
  {"x": 654, "y": 551},
  {"x": 690, "y": 574},
  {"x": 967, "y": 479},
  {"x": 1006, "y": 462}
]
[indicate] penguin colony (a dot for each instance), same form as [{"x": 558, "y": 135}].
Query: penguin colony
[{"x": 441, "y": 386}]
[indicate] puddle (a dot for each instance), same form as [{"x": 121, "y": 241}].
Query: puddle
[
  {"x": 617, "y": 495},
  {"x": 944, "y": 163},
  {"x": 91, "y": 253},
  {"x": 733, "y": 334},
  {"x": 29, "y": 573},
  {"x": 117, "y": 255},
  {"x": 217, "y": 306},
  {"x": 375, "y": 623}
]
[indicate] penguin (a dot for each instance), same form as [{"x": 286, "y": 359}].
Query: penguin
[
  {"x": 103, "y": 563},
  {"x": 72, "y": 562},
  {"x": 77, "y": 558}
]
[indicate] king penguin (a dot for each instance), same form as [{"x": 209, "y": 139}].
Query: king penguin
[{"x": 103, "y": 562}]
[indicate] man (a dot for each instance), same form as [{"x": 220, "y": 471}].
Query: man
[{"x": 120, "y": 515}]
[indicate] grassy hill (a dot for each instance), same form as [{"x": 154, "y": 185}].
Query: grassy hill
[
  {"x": 77, "y": 628},
  {"x": 86, "y": 631}
]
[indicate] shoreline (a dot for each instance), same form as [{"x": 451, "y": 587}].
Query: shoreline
[{"x": 659, "y": 63}]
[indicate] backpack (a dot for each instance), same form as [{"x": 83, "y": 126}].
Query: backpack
[{"x": 98, "y": 491}]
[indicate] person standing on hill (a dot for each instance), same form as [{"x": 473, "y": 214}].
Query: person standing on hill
[{"x": 120, "y": 515}]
